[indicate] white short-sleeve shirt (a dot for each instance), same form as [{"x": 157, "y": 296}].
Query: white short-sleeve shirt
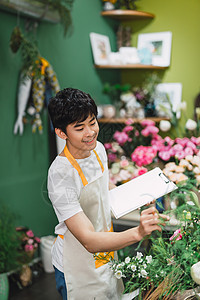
[{"x": 64, "y": 189}]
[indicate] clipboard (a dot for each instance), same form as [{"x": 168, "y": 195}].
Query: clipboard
[{"x": 139, "y": 191}]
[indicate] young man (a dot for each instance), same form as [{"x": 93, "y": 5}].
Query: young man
[{"x": 78, "y": 186}]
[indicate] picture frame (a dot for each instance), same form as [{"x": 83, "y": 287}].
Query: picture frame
[
  {"x": 100, "y": 47},
  {"x": 174, "y": 92},
  {"x": 159, "y": 44}
]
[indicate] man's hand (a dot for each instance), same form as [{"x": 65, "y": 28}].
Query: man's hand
[{"x": 150, "y": 220}]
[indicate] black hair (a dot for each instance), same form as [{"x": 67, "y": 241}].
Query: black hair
[{"x": 70, "y": 106}]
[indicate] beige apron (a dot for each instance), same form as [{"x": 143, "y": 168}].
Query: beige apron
[{"x": 86, "y": 278}]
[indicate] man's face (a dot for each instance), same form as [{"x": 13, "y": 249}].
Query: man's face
[{"x": 82, "y": 137}]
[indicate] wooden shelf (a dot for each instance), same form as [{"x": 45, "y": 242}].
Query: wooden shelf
[
  {"x": 123, "y": 120},
  {"x": 134, "y": 66},
  {"x": 127, "y": 14},
  {"x": 32, "y": 9}
]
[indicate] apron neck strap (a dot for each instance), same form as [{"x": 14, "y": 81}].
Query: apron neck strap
[{"x": 75, "y": 164}]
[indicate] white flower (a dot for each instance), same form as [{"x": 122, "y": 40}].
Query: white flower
[
  {"x": 195, "y": 272},
  {"x": 139, "y": 255},
  {"x": 144, "y": 273},
  {"x": 133, "y": 268},
  {"x": 162, "y": 273},
  {"x": 183, "y": 105},
  {"x": 120, "y": 265},
  {"x": 149, "y": 259},
  {"x": 196, "y": 170},
  {"x": 144, "y": 266},
  {"x": 127, "y": 260},
  {"x": 191, "y": 124},
  {"x": 126, "y": 97},
  {"x": 118, "y": 274},
  {"x": 164, "y": 125}
]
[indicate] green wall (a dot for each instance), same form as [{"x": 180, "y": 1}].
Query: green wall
[
  {"x": 182, "y": 19},
  {"x": 25, "y": 159}
]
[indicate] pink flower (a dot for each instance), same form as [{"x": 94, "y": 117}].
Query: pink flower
[
  {"x": 164, "y": 155},
  {"x": 188, "y": 151},
  {"x": 35, "y": 245},
  {"x": 180, "y": 154},
  {"x": 143, "y": 155},
  {"x": 30, "y": 241},
  {"x": 129, "y": 122},
  {"x": 29, "y": 233},
  {"x": 191, "y": 145},
  {"x": 124, "y": 163},
  {"x": 128, "y": 128},
  {"x": 177, "y": 147},
  {"x": 112, "y": 157},
  {"x": 169, "y": 141},
  {"x": 176, "y": 234},
  {"x": 37, "y": 239},
  {"x": 141, "y": 171},
  {"x": 182, "y": 141},
  {"x": 137, "y": 133},
  {"x": 108, "y": 146},
  {"x": 28, "y": 247},
  {"x": 179, "y": 237},
  {"x": 149, "y": 130},
  {"x": 121, "y": 137},
  {"x": 194, "y": 140},
  {"x": 147, "y": 123}
]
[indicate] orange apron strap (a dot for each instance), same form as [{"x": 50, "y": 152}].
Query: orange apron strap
[
  {"x": 75, "y": 165},
  {"x": 99, "y": 160},
  {"x": 103, "y": 257}
]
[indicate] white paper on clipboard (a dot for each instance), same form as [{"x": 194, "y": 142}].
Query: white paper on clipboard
[{"x": 139, "y": 191}]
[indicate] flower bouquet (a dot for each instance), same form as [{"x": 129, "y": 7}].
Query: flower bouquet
[
  {"x": 171, "y": 267},
  {"x": 29, "y": 243}
]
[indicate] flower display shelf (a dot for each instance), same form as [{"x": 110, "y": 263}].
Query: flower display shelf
[
  {"x": 127, "y": 14},
  {"x": 30, "y": 8},
  {"x": 123, "y": 120},
  {"x": 130, "y": 66}
]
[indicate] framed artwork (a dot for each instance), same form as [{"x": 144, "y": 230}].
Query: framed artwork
[
  {"x": 159, "y": 44},
  {"x": 174, "y": 93},
  {"x": 100, "y": 48}
]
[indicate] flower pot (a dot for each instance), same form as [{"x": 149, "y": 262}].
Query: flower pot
[{"x": 4, "y": 286}]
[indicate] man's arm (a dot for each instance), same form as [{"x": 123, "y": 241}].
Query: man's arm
[{"x": 81, "y": 227}]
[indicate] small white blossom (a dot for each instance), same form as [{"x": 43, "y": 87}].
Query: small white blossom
[
  {"x": 133, "y": 268},
  {"x": 162, "y": 273},
  {"x": 139, "y": 255},
  {"x": 144, "y": 273},
  {"x": 144, "y": 266},
  {"x": 191, "y": 124},
  {"x": 118, "y": 274},
  {"x": 149, "y": 259},
  {"x": 127, "y": 260}
]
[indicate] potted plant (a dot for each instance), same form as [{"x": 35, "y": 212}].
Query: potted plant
[{"x": 9, "y": 248}]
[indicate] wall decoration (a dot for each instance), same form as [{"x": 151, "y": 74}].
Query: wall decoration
[
  {"x": 170, "y": 92},
  {"x": 123, "y": 36},
  {"x": 159, "y": 43},
  {"x": 100, "y": 48},
  {"x": 129, "y": 55},
  {"x": 34, "y": 91}
]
